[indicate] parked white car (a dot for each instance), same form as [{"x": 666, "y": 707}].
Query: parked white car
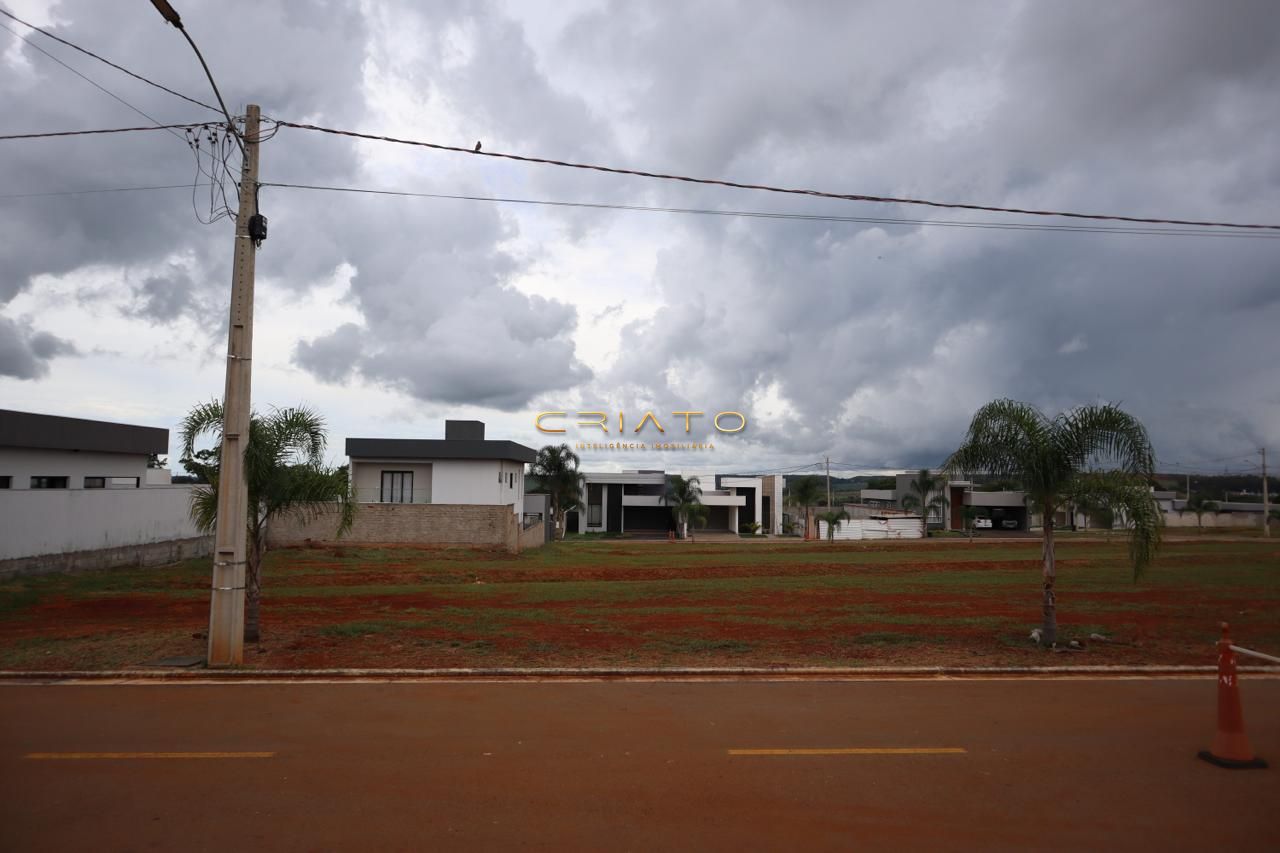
[{"x": 982, "y": 523}]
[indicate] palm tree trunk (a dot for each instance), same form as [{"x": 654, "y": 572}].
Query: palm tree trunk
[
  {"x": 253, "y": 590},
  {"x": 1049, "y": 628}
]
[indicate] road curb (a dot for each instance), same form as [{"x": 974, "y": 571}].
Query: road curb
[{"x": 620, "y": 674}]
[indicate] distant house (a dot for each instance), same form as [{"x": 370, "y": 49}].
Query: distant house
[
  {"x": 631, "y": 502},
  {"x": 462, "y": 489},
  {"x": 78, "y": 493},
  {"x": 1007, "y": 510},
  {"x": 461, "y": 468},
  {"x": 50, "y": 452}
]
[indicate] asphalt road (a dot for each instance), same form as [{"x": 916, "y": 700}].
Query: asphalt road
[{"x": 1023, "y": 765}]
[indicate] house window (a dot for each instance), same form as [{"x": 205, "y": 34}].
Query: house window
[
  {"x": 397, "y": 487},
  {"x": 49, "y": 482},
  {"x": 95, "y": 482},
  {"x": 595, "y": 510},
  {"x": 6, "y": 482},
  {"x": 511, "y": 481}
]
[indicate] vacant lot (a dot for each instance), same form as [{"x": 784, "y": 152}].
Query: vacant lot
[{"x": 612, "y": 602}]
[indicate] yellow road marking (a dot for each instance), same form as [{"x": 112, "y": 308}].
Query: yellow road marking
[
  {"x": 927, "y": 750},
  {"x": 60, "y": 756}
]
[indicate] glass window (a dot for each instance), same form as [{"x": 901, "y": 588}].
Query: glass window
[
  {"x": 397, "y": 487},
  {"x": 595, "y": 511},
  {"x": 6, "y": 482},
  {"x": 95, "y": 482},
  {"x": 49, "y": 482}
]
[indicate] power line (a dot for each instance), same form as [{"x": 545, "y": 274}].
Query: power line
[
  {"x": 87, "y": 79},
  {"x": 51, "y": 134},
  {"x": 102, "y": 190},
  {"x": 774, "y": 189},
  {"x": 48, "y": 34},
  {"x": 756, "y": 214}
]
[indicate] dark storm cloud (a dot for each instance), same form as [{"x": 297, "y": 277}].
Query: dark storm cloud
[
  {"x": 163, "y": 298},
  {"x": 872, "y": 343},
  {"x": 25, "y": 352},
  {"x": 289, "y": 74},
  {"x": 309, "y": 63},
  {"x": 883, "y": 341}
]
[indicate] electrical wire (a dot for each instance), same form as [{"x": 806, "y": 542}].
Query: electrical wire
[
  {"x": 102, "y": 190},
  {"x": 74, "y": 46},
  {"x": 89, "y": 80},
  {"x": 52, "y": 134},
  {"x": 804, "y": 217},
  {"x": 775, "y": 189},
  {"x": 218, "y": 153}
]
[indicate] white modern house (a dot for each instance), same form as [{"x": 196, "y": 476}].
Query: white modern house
[
  {"x": 78, "y": 493},
  {"x": 458, "y": 490},
  {"x": 462, "y": 468},
  {"x": 632, "y": 502},
  {"x": 50, "y": 452}
]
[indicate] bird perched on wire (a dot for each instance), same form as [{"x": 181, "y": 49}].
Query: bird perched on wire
[{"x": 477, "y": 146}]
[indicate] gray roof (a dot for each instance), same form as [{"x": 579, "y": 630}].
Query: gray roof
[
  {"x": 51, "y": 432},
  {"x": 438, "y": 448}
]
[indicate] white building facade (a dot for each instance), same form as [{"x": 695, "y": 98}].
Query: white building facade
[
  {"x": 462, "y": 468},
  {"x": 633, "y": 502},
  {"x": 78, "y": 493}
]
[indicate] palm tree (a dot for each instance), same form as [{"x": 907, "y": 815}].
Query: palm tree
[
  {"x": 555, "y": 469},
  {"x": 928, "y": 493},
  {"x": 1048, "y": 456},
  {"x": 1199, "y": 504},
  {"x": 833, "y": 519},
  {"x": 285, "y": 471},
  {"x": 806, "y": 492},
  {"x": 685, "y": 499}
]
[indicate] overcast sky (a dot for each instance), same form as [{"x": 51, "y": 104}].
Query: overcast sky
[{"x": 871, "y": 343}]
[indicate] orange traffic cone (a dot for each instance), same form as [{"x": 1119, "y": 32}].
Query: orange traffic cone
[{"x": 1231, "y": 747}]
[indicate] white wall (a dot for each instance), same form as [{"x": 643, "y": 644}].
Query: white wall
[
  {"x": 869, "y": 528},
  {"x": 34, "y": 522},
  {"x": 21, "y": 464},
  {"x": 476, "y": 481}
]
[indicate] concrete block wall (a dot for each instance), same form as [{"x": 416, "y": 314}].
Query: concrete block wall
[
  {"x": 533, "y": 537},
  {"x": 444, "y": 524}
]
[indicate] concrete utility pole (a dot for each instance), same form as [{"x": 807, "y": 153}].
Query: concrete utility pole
[
  {"x": 1266, "y": 500},
  {"x": 829, "y": 506},
  {"x": 226, "y": 607}
]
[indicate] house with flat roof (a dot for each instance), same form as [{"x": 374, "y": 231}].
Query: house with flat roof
[
  {"x": 461, "y": 468},
  {"x": 462, "y": 489},
  {"x": 53, "y": 452},
  {"x": 78, "y": 493},
  {"x": 632, "y": 502}
]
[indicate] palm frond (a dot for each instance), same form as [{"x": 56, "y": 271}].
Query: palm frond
[
  {"x": 1108, "y": 436},
  {"x": 204, "y": 420},
  {"x": 999, "y": 435},
  {"x": 204, "y": 507}
]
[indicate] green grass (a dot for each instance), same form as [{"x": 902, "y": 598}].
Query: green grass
[
  {"x": 599, "y": 600},
  {"x": 360, "y": 629}
]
